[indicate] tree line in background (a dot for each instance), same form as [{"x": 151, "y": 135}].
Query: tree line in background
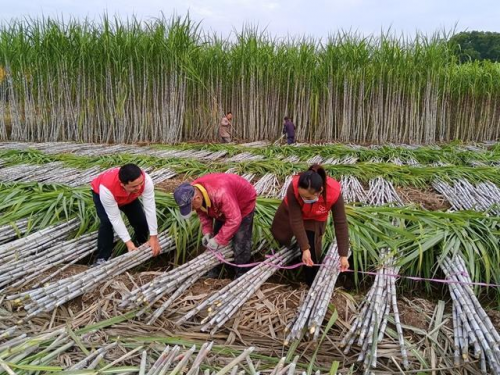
[{"x": 167, "y": 81}]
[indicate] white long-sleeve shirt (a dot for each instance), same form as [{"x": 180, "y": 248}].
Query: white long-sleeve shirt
[{"x": 111, "y": 207}]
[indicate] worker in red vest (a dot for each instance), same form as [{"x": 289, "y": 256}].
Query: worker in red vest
[
  {"x": 225, "y": 204},
  {"x": 304, "y": 213},
  {"x": 118, "y": 189}
]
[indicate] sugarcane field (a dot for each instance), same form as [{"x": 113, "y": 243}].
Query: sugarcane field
[{"x": 165, "y": 201}]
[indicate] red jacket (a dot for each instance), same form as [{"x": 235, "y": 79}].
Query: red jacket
[
  {"x": 110, "y": 180},
  {"x": 231, "y": 199},
  {"x": 319, "y": 210}
]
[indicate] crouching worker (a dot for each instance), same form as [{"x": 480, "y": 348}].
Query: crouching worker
[
  {"x": 119, "y": 189},
  {"x": 225, "y": 204},
  {"x": 304, "y": 213}
]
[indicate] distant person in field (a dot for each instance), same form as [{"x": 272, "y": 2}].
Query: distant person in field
[
  {"x": 225, "y": 204},
  {"x": 289, "y": 130},
  {"x": 119, "y": 189},
  {"x": 225, "y": 128},
  {"x": 303, "y": 214}
]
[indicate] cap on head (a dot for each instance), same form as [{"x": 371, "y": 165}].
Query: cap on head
[{"x": 183, "y": 195}]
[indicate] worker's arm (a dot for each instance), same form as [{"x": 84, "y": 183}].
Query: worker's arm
[{"x": 148, "y": 201}]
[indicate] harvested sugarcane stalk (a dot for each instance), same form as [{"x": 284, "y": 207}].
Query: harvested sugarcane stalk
[
  {"x": 48, "y": 297},
  {"x": 312, "y": 310},
  {"x": 10, "y": 232},
  {"x": 471, "y": 325},
  {"x": 369, "y": 326},
  {"x": 223, "y": 304},
  {"x": 174, "y": 283},
  {"x": 16, "y": 274},
  {"x": 352, "y": 190},
  {"x": 267, "y": 186},
  {"x": 35, "y": 242},
  {"x": 382, "y": 192}
]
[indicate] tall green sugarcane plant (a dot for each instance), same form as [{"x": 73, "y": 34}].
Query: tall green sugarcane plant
[{"x": 166, "y": 80}]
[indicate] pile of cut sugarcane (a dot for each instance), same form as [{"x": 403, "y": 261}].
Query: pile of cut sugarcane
[
  {"x": 47, "y": 298},
  {"x": 34, "y": 243},
  {"x": 370, "y": 325},
  {"x": 313, "y": 309},
  {"x": 473, "y": 329},
  {"x": 9, "y": 232},
  {"x": 382, "y": 192},
  {"x": 57, "y": 173},
  {"x": 23, "y": 270},
  {"x": 352, "y": 190},
  {"x": 174, "y": 283},
  {"x": 223, "y": 304},
  {"x": 267, "y": 186},
  {"x": 462, "y": 195}
]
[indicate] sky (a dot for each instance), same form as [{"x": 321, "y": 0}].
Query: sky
[{"x": 316, "y": 18}]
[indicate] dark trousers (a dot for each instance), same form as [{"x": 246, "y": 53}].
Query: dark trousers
[
  {"x": 136, "y": 217},
  {"x": 290, "y": 140},
  {"x": 310, "y": 272},
  {"x": 242, "y": 244}
]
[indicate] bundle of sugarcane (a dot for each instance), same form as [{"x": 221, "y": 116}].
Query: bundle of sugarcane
[
  {"x": 314, "y": 160},
  {"x": 15, "y": 145},
  {"x": 22, "y": 271},
  {"x": 9, "y": 232},
  {"x": 33, "y": 243},
  {"x": 490, "y": 191},
  {"x": 292, "y": 159},
  {"x": 411, "y": 161},
  {"x": 312, "y": 310},
  {"x": 382, "y": 192},
  {"x": 346, "y": 160},
  {"x": 245, "y": 156},
  {"x": 162, "y": 174},
  {"x": 223, "y": 304},
  {"x": 352, "y": 190},
  {"x": 370, "y": 325},
  {"x": 48, "y": 297},
  {"x": 285, "y": 186},
  {"x": 449, "y": 193},
  {"x": 174, "y": 283},
  {"x": 472, "y": 326},
  {"x": 267, "y": 186},
  {"x": 396, "y": 161},
  {"x": 248, "y": 176},
  {"x": 17, "y": 172},
  {"x": 216, "y": 155}
]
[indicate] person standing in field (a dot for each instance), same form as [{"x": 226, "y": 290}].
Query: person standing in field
[
  {"x": 289, "y": 130},
  {"x": 303, "y": 214},
  {"x": 225, "y": 128},
  {"x": 119, "y": 189},
  {"x": 225, "y": 204}
]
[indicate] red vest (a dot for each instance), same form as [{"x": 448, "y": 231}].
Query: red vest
[
  {"x": 110, "y": 180},
  {"x": 319, "y": 210}
]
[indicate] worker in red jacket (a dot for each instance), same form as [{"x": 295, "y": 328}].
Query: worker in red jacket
[
  {"x": 225, "y": 204},
  {"x": 119, "y": 189}
]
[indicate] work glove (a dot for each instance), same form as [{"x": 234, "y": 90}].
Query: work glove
[
  {"x": 205, "y": 239},
  {"x": 212, "y": 244}
]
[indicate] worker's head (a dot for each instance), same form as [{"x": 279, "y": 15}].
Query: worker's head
[
  {"x": 229, "y": 115},
  {"x": 131, "y": 178},
  {"x": 287, "y": 119},
  {"x": 312, "y": 184},
  {"x": 188, "y": 198}
]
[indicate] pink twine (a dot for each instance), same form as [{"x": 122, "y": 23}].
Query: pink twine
[{"x": 221, "y": 258}]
